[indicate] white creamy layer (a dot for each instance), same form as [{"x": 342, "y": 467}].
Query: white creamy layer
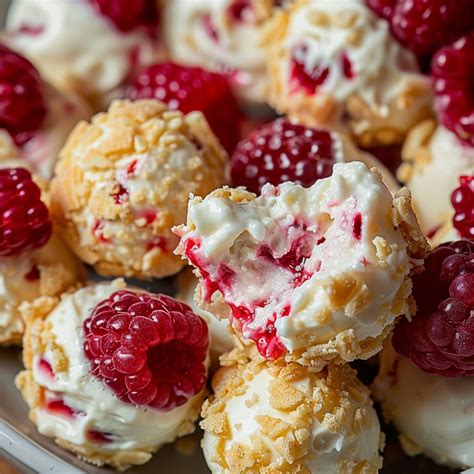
[
  {"x": 220, "y": 338},
  {"x": 74, "y": 46},
  {"x": 231, "y": 234},
  {"x": 432, "y": 181},
  {"x": 238, "y": 49},
  {"x": 433, "y": 412},
  {"x": 330, "y": 30},
  {"x": 330, "y": 447},
  {"x": 131, "y": 427}
]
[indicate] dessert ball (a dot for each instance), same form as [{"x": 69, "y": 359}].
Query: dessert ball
[
  {"x": 280, "y": 151},
  {"x": 87, "y": 46},
  {"x": 112, "y": 373},
  {"x": 225, "y": 36},
  {"x": 331, "y": 60},
  {"x": 431, "y": 412},
  {"x": 35, "y": 118},
  {"x": 123, "y": 182},
  {"x": 273, "y": 417},
  {"x": 314, "y": 274},
  {"x": 427, "y": 386},
  {"x": 434, "y": 161},
  {"x": 221, "y": 340},
  {"x": 33, "y": 261}
]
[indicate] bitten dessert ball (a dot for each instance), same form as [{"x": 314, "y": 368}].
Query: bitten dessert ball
[
  {"x": 112, "y": 373},
  {"x": 434, "y": 161},
  {"x": 329, "y": 60},
  {"x": 270, "y": 417},
  {"x": 35, "y": 118},
  {"x": 87, "y": 46},
  {"x": 432, "y": 413},
  {"x": 224, "y": 36},
  {"x": 33, "y": 262},
  {"x": 314, "y": 274},
  {"x": 123, "y": 182}
]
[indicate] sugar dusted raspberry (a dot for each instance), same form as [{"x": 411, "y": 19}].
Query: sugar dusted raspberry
[
  {"x": 426, "y": 25},
  {"x": 24, "y": 218},
  {"x": 127, "y": 15},
  {"x": 281, "y": 151},
  {"x": 148, "y": 349},
  {"x": 462, "y": 200},
  {"x": 440, "y": 339},
  {"x": 453, "y": 70},
  {"x": 22, "y": 102},
  {"x": 189, "y": 89}
]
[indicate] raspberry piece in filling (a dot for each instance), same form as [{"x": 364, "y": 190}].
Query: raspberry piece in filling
[
  {"x": 191, "y": 89},
  {"x": 440, "y": 339},
  {"x": 302, "y": 77},
  {"x": 453, "y": 70},
  {"x": 281, "y": 151},
  {"x": 22, "y": 101},
  {"x": 24, "y": 218},
  {"x": 462, "y": 200},
  {"x": 148, "y": 349},
  {"x": 127, "y": 15}
]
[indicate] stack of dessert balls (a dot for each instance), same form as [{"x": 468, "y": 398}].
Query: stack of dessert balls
[{"x": 255, "y": 151}]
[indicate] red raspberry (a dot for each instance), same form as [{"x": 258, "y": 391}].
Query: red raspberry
[
  {"x": 440, "y": 339},
  {"x": 22, "y": 103},
  {"x": 127, "y": 15},
  {"x": 148, "y": 349},
  {"x": 24, "y": 219},
  {"x": 453, "y": 70},
  {"x": 281, "y": 151},
  {"x": 462, "y": 200},
  {"x": 423, "y": 26},
  {"x": 188, "y": 89}
]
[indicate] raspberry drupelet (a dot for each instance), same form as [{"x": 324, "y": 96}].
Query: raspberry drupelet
[
  {"x": 188, "y": 89},
  {"x": 440, "y": 339},
  {"x": 148, "y": 349},
  {"x": 462, "y": 200}
]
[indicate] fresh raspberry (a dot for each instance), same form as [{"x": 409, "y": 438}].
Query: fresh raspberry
[
  {"x": 24, "y": 219},
  {"x": 440, "y": 339},
  {"x": 453, "y": 70},
  {"x": 127, "y": 15},
  {"x": 188, "y": 89},
  {"x": 462, "y": 200},
  {"x": 281, "y": 151},
  {"x": 423, "y": 26},
  {"x": 22, "y": 102},
  {"x": 148, "y": 349}
]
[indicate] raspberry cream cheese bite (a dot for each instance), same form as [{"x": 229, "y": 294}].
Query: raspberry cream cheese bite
[
  {"x": 33, "y": 262},
  {"x": 221, "y": 339},
  {"x": 434, "y": 160},
  {"x": 314, "y": 274},
  {"x": 123, "y": 182},
  {"x": 270, "y": 417},
  {"x": 432, "y": 413},
  {"x": 112, "y": 373},
  {"x": 85, "y": 46},
  {"x": 427, "y": 387},
  {"x": 222, "y": 35},
  {"x": 35, "y": 118},
  {"x": 331, "y": 59}
]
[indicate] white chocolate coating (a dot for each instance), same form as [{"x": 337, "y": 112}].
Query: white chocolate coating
[
  {"x": 369, "y": 75},
  {"x": 235, "y": 47},
  {"x": 275, "y": 419},
  {"x": 73, "y": 46},
  {"x": 439, "y": 159},
  {"x": 353, "y": 285},
  {"x": 434, "y": 414},
  {"x": 130, "y": 427}
]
